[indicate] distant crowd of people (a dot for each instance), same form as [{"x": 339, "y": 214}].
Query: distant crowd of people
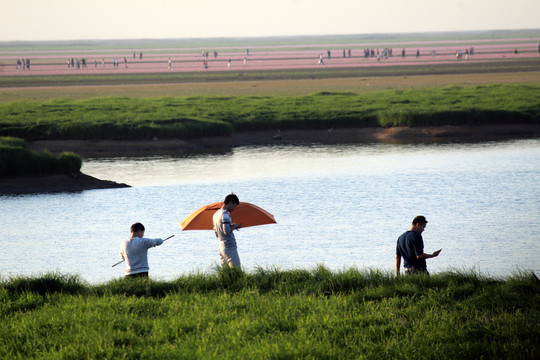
[
  {"x": 23, "y": 64},
  {"x": 82, "y": 63},
  {"x": 460, "y": 53},
  {"x": 380, "y": 54}
]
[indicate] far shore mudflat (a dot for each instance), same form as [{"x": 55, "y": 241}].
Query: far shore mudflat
[
  {"x": 54, "y": 184},
  {"x": 170, "y": 146},
  {"x": 150, "y": 147}
]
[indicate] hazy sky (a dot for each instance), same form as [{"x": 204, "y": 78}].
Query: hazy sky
[{"x": 121, "y": 19}]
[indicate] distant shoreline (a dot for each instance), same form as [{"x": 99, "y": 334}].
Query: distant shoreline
[
  {"x": 172, "y": 146},
  {"x": 54, "y": 184},
  {"x": 136, "y": 148}
]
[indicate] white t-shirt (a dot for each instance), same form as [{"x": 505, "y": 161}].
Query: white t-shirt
[
  {"x": 222, "y": 228},
  {"x": 135, "y": 252}
]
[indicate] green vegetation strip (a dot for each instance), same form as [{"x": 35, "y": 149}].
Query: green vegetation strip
[
  {"x": 17, "y": 160},
  {"x": 187, "y": 117},
  {"x": 272, "y": 314}
]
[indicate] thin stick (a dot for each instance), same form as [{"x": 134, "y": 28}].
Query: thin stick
[
  {"x": 121, "y": 261},
  {"x": 118, "y": 263}
]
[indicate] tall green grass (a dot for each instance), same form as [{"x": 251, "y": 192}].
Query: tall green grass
[
  {"x": 104, "y": 118},
  {"x": 17, "y": 160},
  {"x": 186, "y": 117},
  {"x": 272, "y": 314}
]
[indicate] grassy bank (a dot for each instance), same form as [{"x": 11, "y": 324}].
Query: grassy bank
[
  {"x": 272, "y": 314},
  {"x": 17, "y": 160},
  {"x": 196, "y": 116}
]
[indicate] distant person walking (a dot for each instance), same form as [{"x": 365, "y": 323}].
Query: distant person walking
[
  {"x": 134, "y": 250},
  {"x": 223, "y": 229},
  {"x": 410, "y": 247}
]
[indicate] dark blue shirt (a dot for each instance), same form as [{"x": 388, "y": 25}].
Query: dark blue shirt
[{"x": 410, "y": 245}]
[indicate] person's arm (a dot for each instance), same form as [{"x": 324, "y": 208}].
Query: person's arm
[
  {"x": 429, "y": 256},
  {"x": 152, "y": 242},
  {"x": 122, "y": 251},
  {"x": 398, "y": 264},
  {"x": 235, "y": 226}
]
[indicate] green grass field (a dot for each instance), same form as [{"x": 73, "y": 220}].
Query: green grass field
[
  {"x": 272, "y": 314},
  {"x": 199, "y": 116}
]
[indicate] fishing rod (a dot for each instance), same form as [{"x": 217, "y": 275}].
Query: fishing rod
[{"x": 121, "y": 261}]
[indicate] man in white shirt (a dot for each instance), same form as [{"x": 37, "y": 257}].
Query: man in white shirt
[
  {"x": 223, "y": 229},
  {"x": 134, "y": 250}
]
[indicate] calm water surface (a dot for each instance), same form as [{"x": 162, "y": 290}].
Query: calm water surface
[{"x": 341, "y": 206}]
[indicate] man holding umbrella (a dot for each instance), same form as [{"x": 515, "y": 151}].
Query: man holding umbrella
[{"x": 223, "y": 228}]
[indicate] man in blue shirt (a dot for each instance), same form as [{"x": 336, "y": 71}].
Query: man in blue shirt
[{"x": 410, "y": 246}]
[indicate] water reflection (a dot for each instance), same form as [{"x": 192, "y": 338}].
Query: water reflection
[{"x": 285, "y": 161}]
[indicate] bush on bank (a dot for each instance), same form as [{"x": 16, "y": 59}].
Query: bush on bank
[
  {"x": 199, "y": 116},
  {"x": 17, "y": 160}
]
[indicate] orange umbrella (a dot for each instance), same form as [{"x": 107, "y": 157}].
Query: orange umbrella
[{"x": 245, "y": 213}]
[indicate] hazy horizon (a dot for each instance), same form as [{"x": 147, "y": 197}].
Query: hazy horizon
[
  {"x": 371, "y": 35},
  {"x": 67, "y": 20}
]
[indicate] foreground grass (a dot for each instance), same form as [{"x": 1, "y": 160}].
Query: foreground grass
[
  {"x": 272, "y": 314},
  {"x": 17, "y": 160},
  {"x": 185, "y": 117}
]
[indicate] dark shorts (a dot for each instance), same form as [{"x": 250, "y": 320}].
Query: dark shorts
[
  {"x": 142, "y": 274},
  {"x": 412, "y": 271}
]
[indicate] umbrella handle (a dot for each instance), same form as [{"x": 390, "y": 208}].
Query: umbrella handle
[{"x": 118, "y": 263}]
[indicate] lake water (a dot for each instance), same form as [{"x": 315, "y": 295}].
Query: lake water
[{"x": 339, "y": 205}]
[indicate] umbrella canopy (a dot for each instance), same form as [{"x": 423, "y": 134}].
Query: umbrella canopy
[{"x": 245, "y": 213}]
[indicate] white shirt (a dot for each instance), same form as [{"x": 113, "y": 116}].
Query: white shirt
[
  {"x": 135, "y": 251},
  {"x": 222, "y": 228}
]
